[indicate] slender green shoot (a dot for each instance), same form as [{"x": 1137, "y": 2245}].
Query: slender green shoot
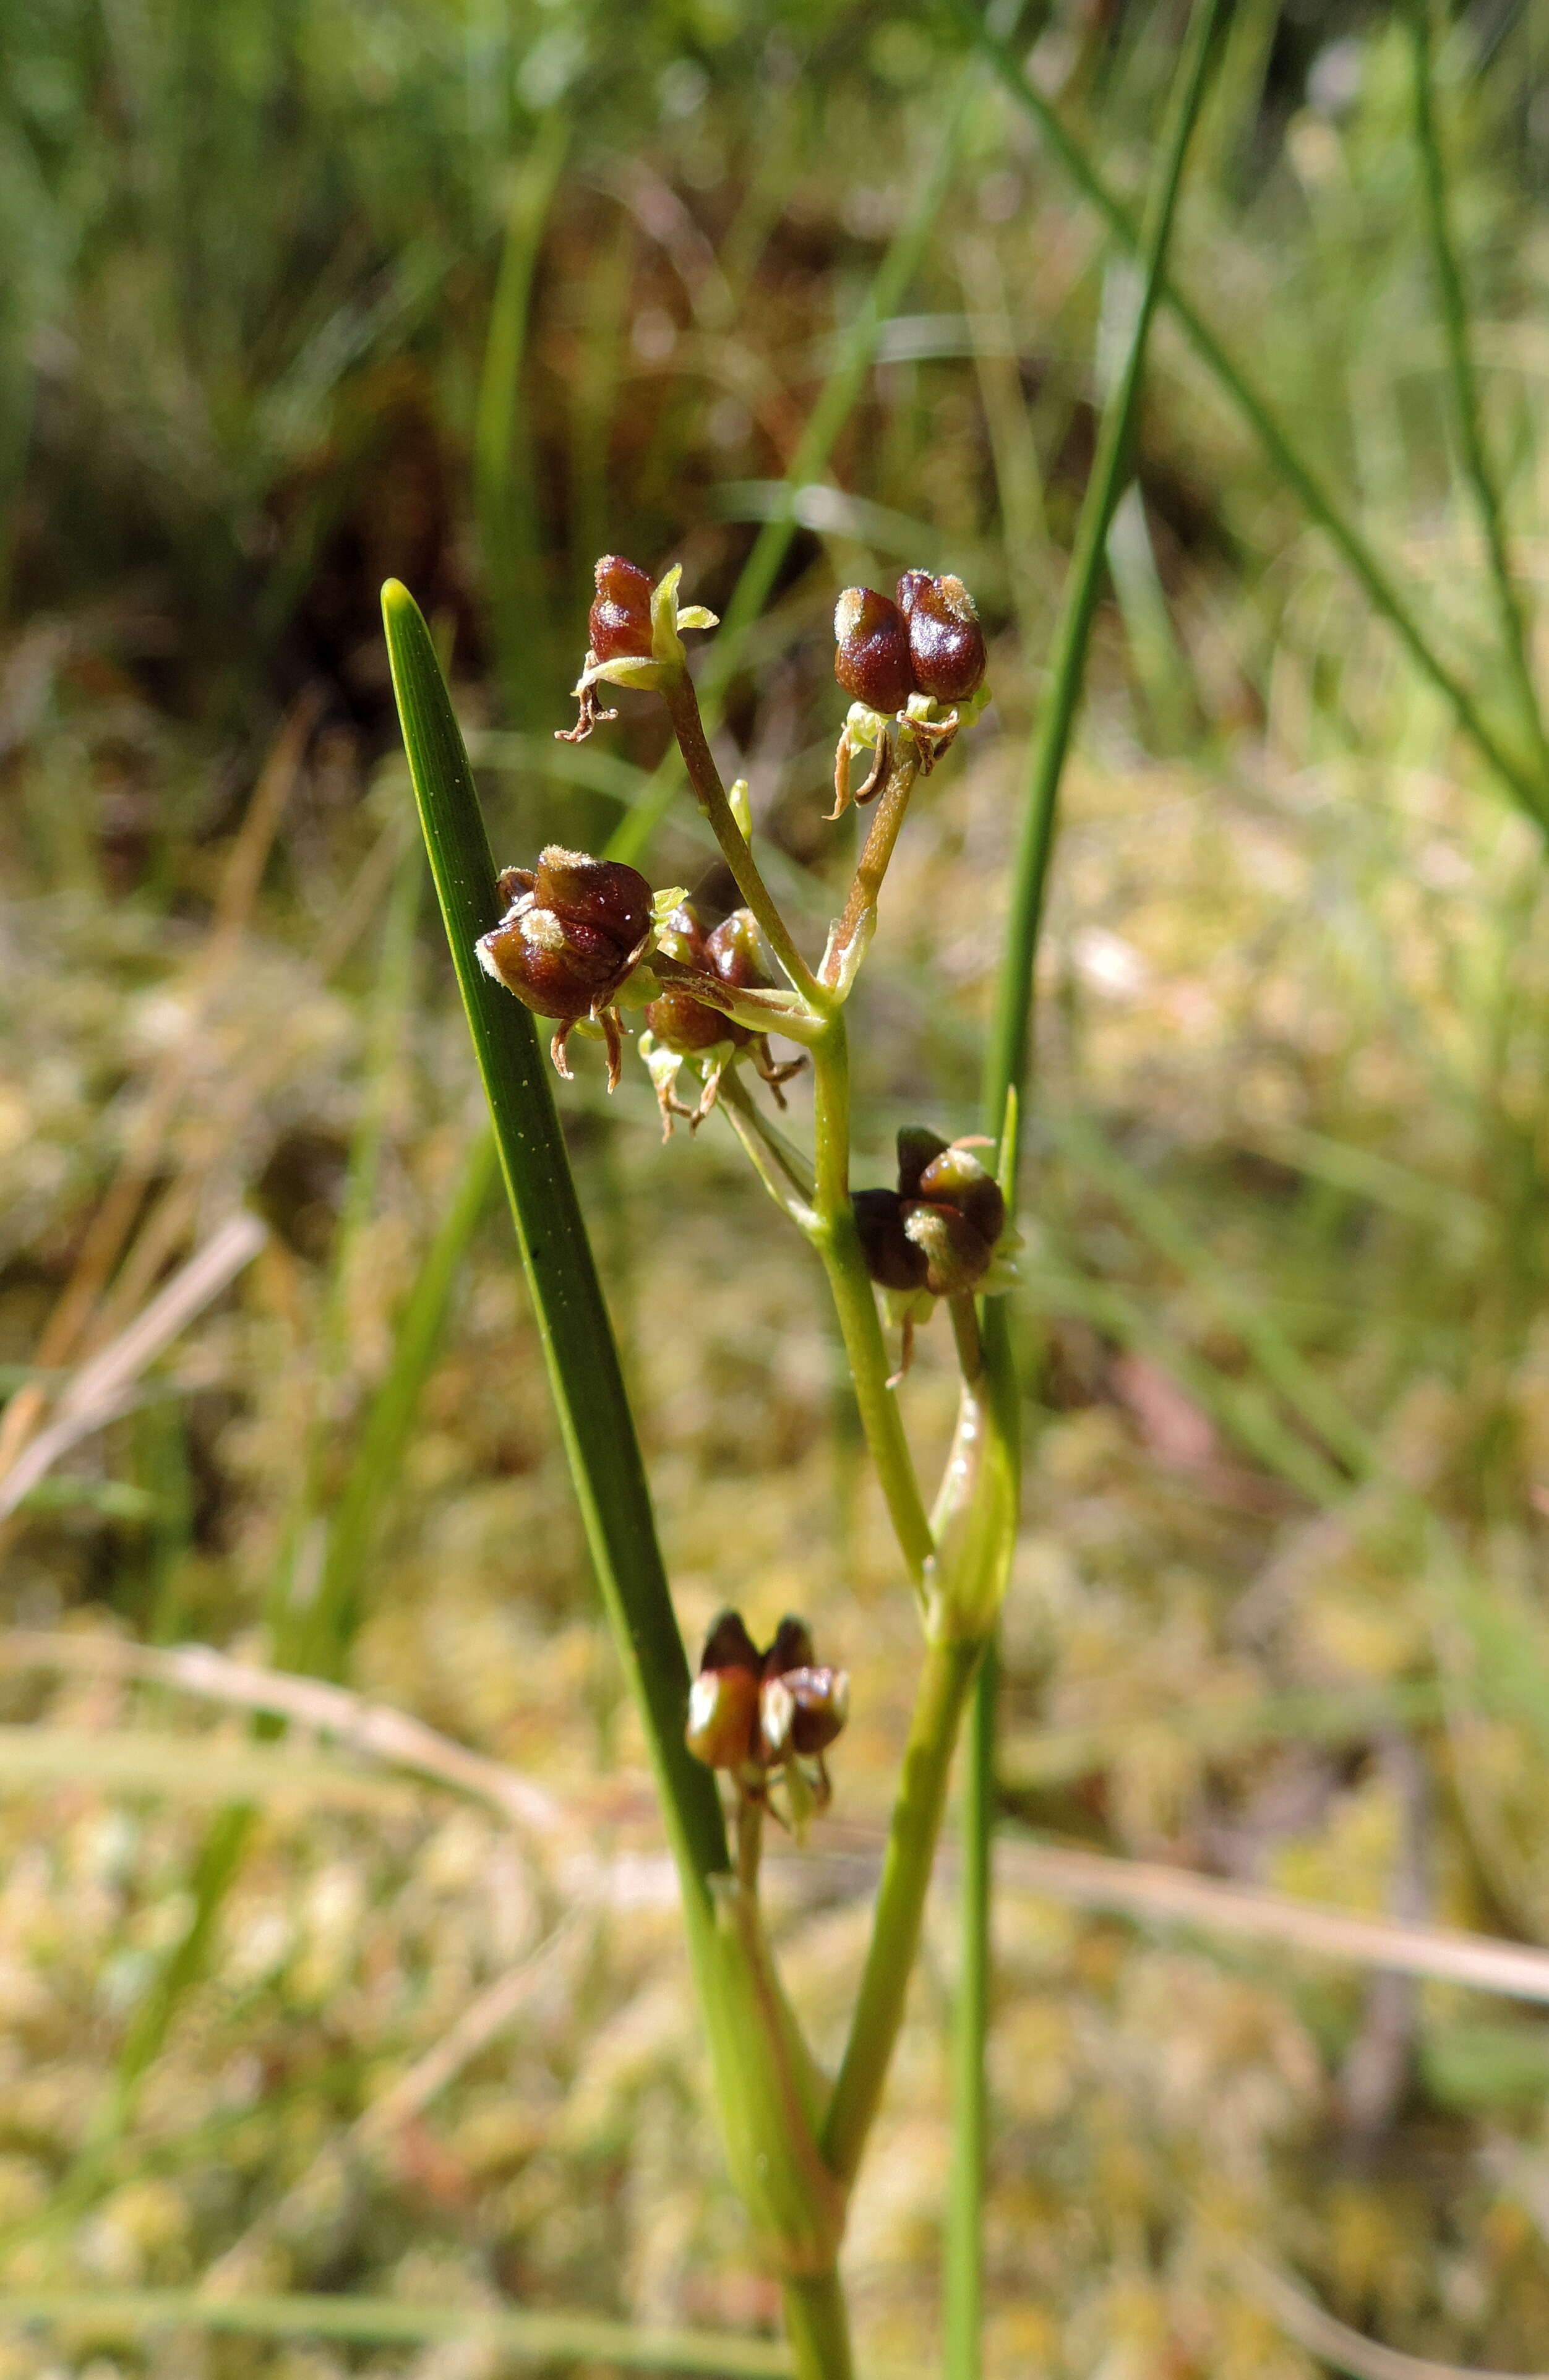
[
  {"x": 524, "y": 2337},
  {"x": 335, "y": 1613},
  {"x": 1006, "y": 1073},
  {"x": 503, "y": 464},
  {"x": 1524, "y": 784},
  {"x": 1477, "y": 467}
]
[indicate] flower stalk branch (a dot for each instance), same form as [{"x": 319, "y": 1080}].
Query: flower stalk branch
[{"x": 683, "y": 710}]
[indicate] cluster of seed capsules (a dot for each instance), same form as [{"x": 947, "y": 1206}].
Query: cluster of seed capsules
[
  {"x": 759, "y": 1715},
  {"x": 941, "y": 1233},
  {"x": 929, "y": 642}
]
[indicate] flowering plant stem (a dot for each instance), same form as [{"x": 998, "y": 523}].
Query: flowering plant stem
[{"x": 957, "y": 1564}]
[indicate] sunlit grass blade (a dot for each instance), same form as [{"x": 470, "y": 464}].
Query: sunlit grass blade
[
  {"x": 595, "y": 1420},
  {"x": 519, "y": 2335},
  {"x": 1476, "y": 467},
  {"x": 1523, "y": 783},
  {"x": 1006, "y": 1073}
]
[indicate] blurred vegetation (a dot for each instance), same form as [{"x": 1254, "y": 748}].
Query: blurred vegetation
[{"x": 293, "y": 295}]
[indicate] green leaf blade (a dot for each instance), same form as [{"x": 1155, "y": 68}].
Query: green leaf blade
[{"x": 594, "y": 1415}]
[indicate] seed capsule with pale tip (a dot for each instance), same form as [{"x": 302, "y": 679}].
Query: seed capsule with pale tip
[
  {"x": 945, "y": 641},
  {"x": 872, "y": 659},
  {"x": 801, "y": 1712},
  {"x": 952, "y": 1208},
  {"x": 573, "y": 933},
  {"x": 949, "y": 1173},
  {"x": 723, "y": 1728},
  {"x": 620, "y": 622}
]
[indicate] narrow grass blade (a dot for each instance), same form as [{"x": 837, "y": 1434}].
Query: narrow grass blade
[
  {"x": 525, "y": 2338},
  {"x": 1465, "y": 386},
  {"x": 503, "y": 468},
  {"x": 182, "y": 1767},
  {"x": 335, "y": 1612},
  {"x": 1524, "y": 785},
  {"x": 594, "y": 1415},
  {"x": 1005, "y": 1072}
]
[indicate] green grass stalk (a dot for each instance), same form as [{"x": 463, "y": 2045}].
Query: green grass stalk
[
  {"x": 524, "y": 2337},
  {"x": 1007, "y": 1069},
  {"x": 1477, "y": 467},
  {"x": 1521, "y": 781},
  {"x": 505, "y": 498}
]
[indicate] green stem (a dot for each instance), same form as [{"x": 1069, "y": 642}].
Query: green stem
[
  {"x": 963, "y": 2310},
  {"x": 1005, "y": 1070},
  {"x": 818, "y": 2327},
  {"x": 683, "y": 710},
  {"x": 838, "y": 1244},
  {"x": 1298, "y": 475},
  {"x": 1465, "y": 385},
  {"x": 858, "y": 917},
  {"x": 944, "y": 1681}
]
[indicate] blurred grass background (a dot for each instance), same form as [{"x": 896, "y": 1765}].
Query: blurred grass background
[{"x": 294, "y": 295}]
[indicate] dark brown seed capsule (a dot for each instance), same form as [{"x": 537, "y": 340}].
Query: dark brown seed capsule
[
  {"x": 599, "y": 893},
  {"x": 736, "y": 952},
  {"x": 957, "y": 1179},
  {"x": 723, "y": 1728},
  {"x": 802, "y": 1711},
  {"x": 723, "y": 1724},
  {"x": 956, "y": 1257},
  {"x": 571, "y": 934},
  {"x": 729, "y": 1647},
  {"x": 619, "y": 622},
  {"x": 953, "y": 1211},
  {"x": 892, "y": 1259},
  {"x": 679, "y": 1020},
  {"x": 872, "y": 659},
  {"x": 945, "y": 641},
  {"x": 792, "y": 1648}
]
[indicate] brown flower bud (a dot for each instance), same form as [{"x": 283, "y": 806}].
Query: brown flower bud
[
  {"x": 575, "y": 930},
  {"x": 619, "y": 622},
  {"x": 892, "y": 1259},
  {"x": 872, "y": 659},
  {"x": 945, "y": 641}
]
